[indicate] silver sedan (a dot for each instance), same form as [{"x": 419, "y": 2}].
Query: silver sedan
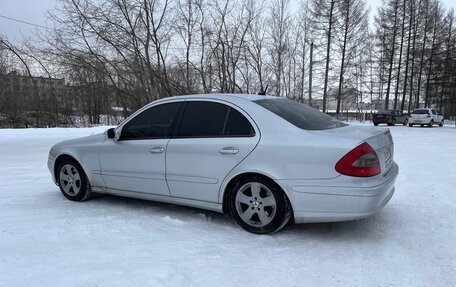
[{"x": 266, "y": 160}]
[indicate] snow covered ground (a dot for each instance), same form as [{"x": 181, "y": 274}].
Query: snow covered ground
[{"x": 46, "y": 240}]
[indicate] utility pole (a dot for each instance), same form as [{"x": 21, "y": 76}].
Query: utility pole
[{"x": 310, "y": 73}]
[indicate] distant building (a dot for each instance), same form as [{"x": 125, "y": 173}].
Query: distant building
[
  {"x": 25, "y": 93},
  {"x": 351, "y": 100}
]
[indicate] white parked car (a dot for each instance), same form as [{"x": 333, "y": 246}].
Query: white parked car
[
  {"x": 424, "y": 117},
  {"x": 266, "y": 160}
]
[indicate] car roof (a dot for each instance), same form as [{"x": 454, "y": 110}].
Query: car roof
[{"x": 219, "y": 96}]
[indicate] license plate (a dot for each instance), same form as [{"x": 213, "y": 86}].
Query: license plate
[{"x": 418, "y": 121}]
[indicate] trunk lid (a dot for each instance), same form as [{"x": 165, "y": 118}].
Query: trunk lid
[
  {"x": 419, "y": 116},
  {"x": 379, "y": 139}
]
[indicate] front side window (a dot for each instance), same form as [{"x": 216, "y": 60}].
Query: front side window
[
  {"x": 153, "y": 123},
  {"x": 211, "y": 119},
  {"x": 300, "y": 115}
]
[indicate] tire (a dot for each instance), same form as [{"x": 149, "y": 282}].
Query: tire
[
  {"x": 410, "y": 125},
  {"x": 441, "y": 123},
  {"x": 422, "y": 125},
  {"x": 405, "y": 122},
  {"x": 431, "y": 123},
  {"x": 375, "y": 124},
  {"x": 73, "y": 181},
  {"x": 259, "y": 205}
]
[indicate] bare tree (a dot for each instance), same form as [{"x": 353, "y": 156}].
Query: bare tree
[{"x": 354, "y": 15}]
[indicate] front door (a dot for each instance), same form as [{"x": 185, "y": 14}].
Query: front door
[{"x": 136, "y": 160}]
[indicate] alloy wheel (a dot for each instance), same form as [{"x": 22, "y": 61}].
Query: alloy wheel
[
  {"x": 70, "y": 180},
  {"x": 255, "y": 204}
]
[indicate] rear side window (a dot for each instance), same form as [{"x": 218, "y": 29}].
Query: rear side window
[
  {"x": 210, "y": 119},
  {"x": 155, "y": 122},
  {"x": 420, "y": 112},
  {"x": 300, "y": 115},
  {"x": 237, "y": 125},
  {"x": 387, "y": 112}
]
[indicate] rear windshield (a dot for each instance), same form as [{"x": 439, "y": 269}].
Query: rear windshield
[
  {"x": 300, "y": 115},
  {"x": 420, "y": 112}
]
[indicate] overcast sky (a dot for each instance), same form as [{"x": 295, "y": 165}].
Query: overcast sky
[{"x": 34, "y": 11}]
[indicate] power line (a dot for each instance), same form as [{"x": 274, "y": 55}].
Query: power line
[{"x": 23, "y": 22}]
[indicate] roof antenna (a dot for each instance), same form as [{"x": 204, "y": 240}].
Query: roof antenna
[{"x": 263, "y": 92}]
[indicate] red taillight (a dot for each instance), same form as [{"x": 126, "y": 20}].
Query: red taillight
[{"x": 361, "y": 161}]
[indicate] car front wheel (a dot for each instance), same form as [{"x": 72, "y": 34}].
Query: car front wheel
[
  {"x": 441, "y": 124},
  {"x": 431, "y": 123},
  {"x": 410, "y": 125},
  {"x": 259, "y": 206},
  {"x": 73, "y": 181}
]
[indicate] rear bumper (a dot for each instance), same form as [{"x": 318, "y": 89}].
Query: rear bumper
[
  {"x": 420, "y": 121},
  {"x": 382, "y": 120},
  {"x": 332, "y": 203}
]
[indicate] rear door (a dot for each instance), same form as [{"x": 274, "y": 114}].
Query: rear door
[
  {"x": 213, "y": 137},
  {"x": 436, "y": 116},
  {"x": 400, "y": 118}
]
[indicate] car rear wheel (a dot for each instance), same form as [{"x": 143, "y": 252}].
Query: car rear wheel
[
  {"x": 431, "y": 123},
  {"x": 405, "y": 122},
  {"x": 441, "y": 124},
  {"x": 375, "y": 124},
  {"x": 259, "y": 206},
  {"x": 410, "y": 125},
  {"x": 422, "y": 125},
  {"x": 73, "y": 181}
]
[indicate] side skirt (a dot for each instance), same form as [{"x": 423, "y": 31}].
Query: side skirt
[{"x": 217, "y": 207}]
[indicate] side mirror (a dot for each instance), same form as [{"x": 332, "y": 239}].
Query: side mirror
[{"x": 111, "y": 133}]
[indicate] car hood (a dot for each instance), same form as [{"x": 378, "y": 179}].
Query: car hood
[
  {"x": 84, "y": 140},
  {"x": 91, "y": 140}
]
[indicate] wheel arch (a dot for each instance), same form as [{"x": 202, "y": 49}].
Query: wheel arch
[
  {"x": 235, "y": 178},
  {"x": 59, "y": 159}
]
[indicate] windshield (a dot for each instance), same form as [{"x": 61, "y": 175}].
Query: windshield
[{"x": 300, "y": 115}]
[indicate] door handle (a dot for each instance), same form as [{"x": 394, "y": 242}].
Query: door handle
[
  {"x": 229, "y": 150},
  {"x": 157, "y": 149}
]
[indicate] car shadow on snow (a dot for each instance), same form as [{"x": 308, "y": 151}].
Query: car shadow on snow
[
  {"x": 372, "y": 227},
  {"x": 117, "y": 205}
]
